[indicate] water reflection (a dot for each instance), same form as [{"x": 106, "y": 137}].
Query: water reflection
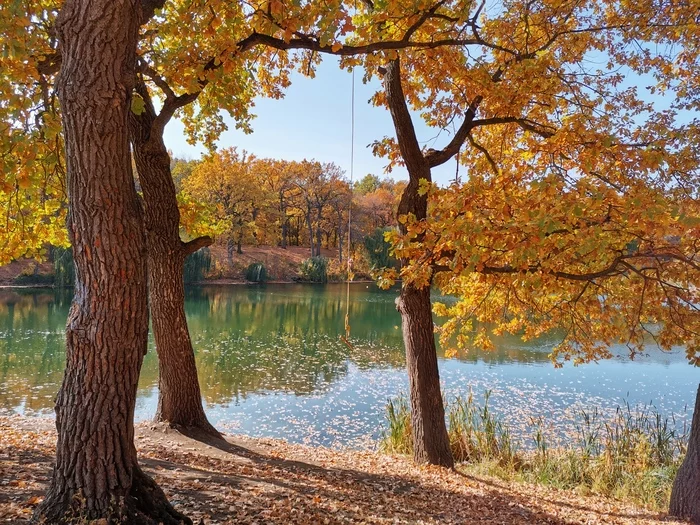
[{"x": 271, "y": 363}]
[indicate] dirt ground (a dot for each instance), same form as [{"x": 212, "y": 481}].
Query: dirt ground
[
  {"x": 9, "y": 272},
  {"x": 261, "y": 481},
  {"x": 282, "y": 265}
]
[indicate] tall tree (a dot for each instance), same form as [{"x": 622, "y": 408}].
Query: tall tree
[
  {"x": 576, "y": 213},
  {"x": 227, "y": 180},
  {"x": 96, "y": 474},
  {"x": 179, "y": 396}
]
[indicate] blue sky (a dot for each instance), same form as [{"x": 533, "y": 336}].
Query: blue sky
[{"x": 312, "y": 121}]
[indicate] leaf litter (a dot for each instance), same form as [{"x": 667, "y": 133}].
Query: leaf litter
[{"x": 263, "y": 481}]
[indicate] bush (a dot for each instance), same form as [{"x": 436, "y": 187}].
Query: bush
[
  {"x": 63, "y": 267},
  {"x": 256, "y": 273},
  {"x": 315, "y": 270},
  {"x": 378, "y": 250},
  {"x": 197, "y": 265},
  {"x": 30, "y": 276}
]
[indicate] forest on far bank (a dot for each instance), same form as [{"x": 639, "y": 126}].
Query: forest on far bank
[{"x": 270, "y": 219}]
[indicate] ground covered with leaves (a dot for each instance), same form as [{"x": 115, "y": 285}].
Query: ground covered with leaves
[{"x": 261, "y": 481}]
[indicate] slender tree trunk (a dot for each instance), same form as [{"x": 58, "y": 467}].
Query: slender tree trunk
[
  {"x": 319, "y": 233},
  {"x": 431, "y": 443},
  {"x": 179, "y": 398},
  {"x": 311, "y": 231},
  {"x": 685, "y": 495},
  {"x": 230, "y": 248},
  {"x": 96, "y": 475},
  {"x": 283, "y": 222},
  {"x": 340, "y": 244}
]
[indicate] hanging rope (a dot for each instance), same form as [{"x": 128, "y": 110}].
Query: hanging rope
[{"x": 346, "y": 339}]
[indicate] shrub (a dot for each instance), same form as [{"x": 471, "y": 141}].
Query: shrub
[
  {"x": 30, "y": 276},
  {"x": 63, "y": 267},
  {"x": 197, "y": 265},
  {"x": 378, "y": 250},
  {"x": 314, "y": 269},
  {"x": 256, "y": 273}
]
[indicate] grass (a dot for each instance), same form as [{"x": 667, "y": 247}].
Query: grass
[{"x": 632, "y": 456}]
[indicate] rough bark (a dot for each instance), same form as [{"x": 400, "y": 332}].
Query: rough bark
[
  {"x": 179, "y": 398},
  {"x": 685, "y": 495},
  {"x": 431, "y": 442},
  {"x": 96, "y": 475},
  {"x": 283, "y": 222}
]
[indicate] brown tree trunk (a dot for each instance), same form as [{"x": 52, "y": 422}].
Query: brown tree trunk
[
  {"x": 319, "y": 233},
  {"x": 179, "y": 398},
  {"x": 230, "y": 249},
  {"x": 340, "y": 245},
  {"x": 283, "y": 225},
  {"x": 96, "y": 473},
  {"x": 685, "y": 495},
  {"x": 431, "y": 443},
  {"x": 311, "y": 231}
]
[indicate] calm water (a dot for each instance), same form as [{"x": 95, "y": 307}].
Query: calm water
[{"x": 271, "y": 364}]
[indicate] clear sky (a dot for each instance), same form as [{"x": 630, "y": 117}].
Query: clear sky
[{"x": 312, "y": 121}]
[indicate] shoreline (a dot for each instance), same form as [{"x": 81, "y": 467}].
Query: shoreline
[
  {"x": 247, "y": 480},
  {"x": 209, "y": 282}
]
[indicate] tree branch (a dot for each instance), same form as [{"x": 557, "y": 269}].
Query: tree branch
[{"x": 197, "y": 244}]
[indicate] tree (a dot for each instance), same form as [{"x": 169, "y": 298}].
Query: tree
[
  {"x": 367, "y": 184},
  {"x": 339, "y": 206},
  {"x": 315, "y": 184},
  {"x": 179, "y": 395},
  {"x": 96, "y": 473},
  {"x": 569, "y": 197},
  {"x": 277, "y": 179},
  {"x": 227, "y": 180}
]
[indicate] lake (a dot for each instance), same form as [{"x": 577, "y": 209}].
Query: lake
[{"x": 271, "y": 364}]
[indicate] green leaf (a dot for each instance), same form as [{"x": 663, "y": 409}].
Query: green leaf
[{"x": 138, "y": 106}]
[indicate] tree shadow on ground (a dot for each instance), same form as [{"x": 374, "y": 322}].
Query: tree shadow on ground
[{"x": 219, "y": 482}]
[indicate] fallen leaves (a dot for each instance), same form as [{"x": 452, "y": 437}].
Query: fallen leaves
[{"x": 250, "y": 481}]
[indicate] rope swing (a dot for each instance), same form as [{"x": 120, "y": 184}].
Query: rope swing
[{"x": 346, "y": 338}]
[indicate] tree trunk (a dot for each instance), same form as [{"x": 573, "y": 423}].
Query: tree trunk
[
  {"x": 340, "y": 245},
  {"x": 311, "y": 231},
  {"x": 431, "y": 442},
  {"x": 283, "y": 222},
  {"x": 96, "y": 475},
  {"x": 319, "y": 233},
  {"x": 230, "y": 248},
  {"x": 179, "y": 398},
  {"x": 685, "y": 495}
]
